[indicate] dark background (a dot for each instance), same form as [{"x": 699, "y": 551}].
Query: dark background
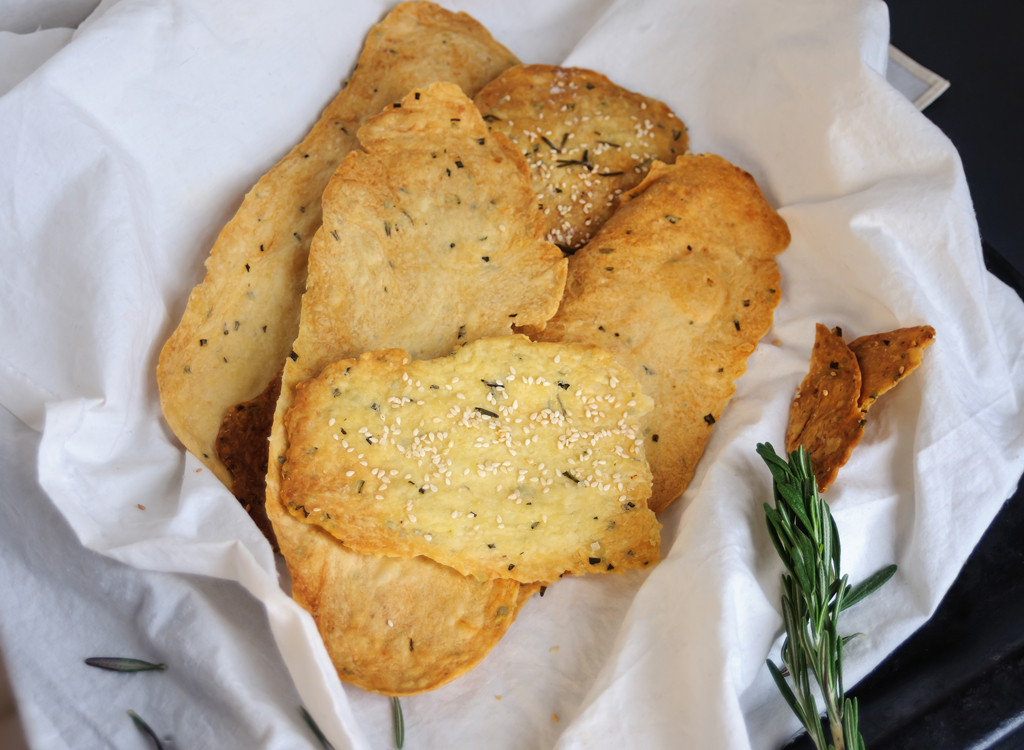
[{"x": 958, "y": 683}]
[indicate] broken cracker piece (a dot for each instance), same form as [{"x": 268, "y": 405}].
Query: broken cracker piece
[
  {"x": 240, "y": 322},
  {"x": 507, "y": 459},
  {"x": 887, "y": 358},
  {"x": 586, "y": 139},
  {"x": 825, "y": 417},
  {"x": 679, "y": 286},
  {"x": 829, "y": 412}
]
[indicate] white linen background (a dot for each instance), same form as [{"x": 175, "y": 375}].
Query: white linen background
[{"x": 124, "y": 154}]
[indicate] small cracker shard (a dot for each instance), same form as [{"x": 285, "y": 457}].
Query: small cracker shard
[
  {"x": 586, "y": 139},
  {"x": 524, "y": 461},
  {"x": 825, "y": 417},
  {"x": 679, "y": 286},
  {"x": 828, "y": 415},
  {"x": 887, "y": 358},
  {"x": 242, "y": 446},
  {"x": 240, "y": 322}
]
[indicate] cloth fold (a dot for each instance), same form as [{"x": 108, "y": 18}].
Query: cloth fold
[{"x": 128, "y": 150}]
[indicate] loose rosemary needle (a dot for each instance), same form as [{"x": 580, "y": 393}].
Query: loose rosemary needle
[
  {"x": 315, "y": 729},
  {"x": 145, "y": 729},
  {"x": 805, "y": 535},
  {"x": 396, "y": 709}
]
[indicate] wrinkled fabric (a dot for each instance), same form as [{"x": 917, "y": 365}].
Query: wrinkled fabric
[{"x": 126, "y": 152}]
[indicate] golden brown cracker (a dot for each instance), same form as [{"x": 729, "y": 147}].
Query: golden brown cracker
[
  {"x": 679, "y": 286},
  {"x": 886, "y": 358},
  {"x": 240, "y": 322},
  {"x": 586, "y": 139},
  {"x": 242, "y": 446},
  {"x": 430, "y": 239},
  {"x": 347, "y": 311},
  {"x": 395, "y": 626},
  {"x": 507, "y": 459},
  {"x": 825, "y": 417}
]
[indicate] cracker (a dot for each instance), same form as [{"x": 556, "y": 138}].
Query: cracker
[
  {"x": 395, "y": 626},
  {"x": 825, "y": 417},
  {"x": 587, "y": 141},
  {"x": 679, "y": 286},
  {"x": 507, "y": 459},
  {"x": 347, "y": 312},
  {"x": 886, "y": 358},
  {"x": 242, "y": 446},
  {"x": 240, "y": 322},
  {"x": 830, "y": 409}
]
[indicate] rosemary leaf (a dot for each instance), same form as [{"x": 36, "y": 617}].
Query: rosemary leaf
[
  {"x": 145, "y": 729},
  {"x": 121, "y": 664},
  {"x": 396, "y": 709},
  {"x": 874, "y": 582},
  {"x": 315, "y": 729}
]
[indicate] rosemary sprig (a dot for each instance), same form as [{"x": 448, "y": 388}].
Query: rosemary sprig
[
  {"x": 315, "y": 729},
  {"x": 805, "y": 535},
  {"x": 396, "y": 710},
  {"x": 122, "y": 664},
  {"x": 145, "y": 728}
]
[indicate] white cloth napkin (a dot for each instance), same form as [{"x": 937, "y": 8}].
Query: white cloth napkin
[{"x": 126, "y": 152}]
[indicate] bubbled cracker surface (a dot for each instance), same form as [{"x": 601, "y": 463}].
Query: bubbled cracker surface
[
  {"x": 679, "y": 286},
  {"x": 240, "y": 322},
  {"x": 507, "y": 459},
  {"x": 586, "y": 140},
  {"x": 345, "y": 314}
]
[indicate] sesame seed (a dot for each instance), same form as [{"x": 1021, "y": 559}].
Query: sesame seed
[
  {"x": 391, "y": 624},
  {"x": 331, "y": 422}
]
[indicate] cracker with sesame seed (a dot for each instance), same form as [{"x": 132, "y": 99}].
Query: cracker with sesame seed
[
  {"x": 587, "y": 141},
  {"x": 507, "y": 459},
  {"x": 679, "y": 286},
  {"x": 825, "y": 417},
  {"x": 830, "y": 409},
  {"x": 887, "y": 358},
  {"x": 240, "y": 322},
  {"x": 383, "y": 273}
]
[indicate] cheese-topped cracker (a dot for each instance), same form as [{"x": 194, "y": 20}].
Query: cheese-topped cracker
[
  {"x": 395, "y": 626},
  {"x": 587, "y": 141},
  {"x": 886, "y": 358},
  {"x": 679, "y": 286},
  {"x": 505, "y": 460},
  {"x": 824, "y": 417},
  {"x": 240, "y": 322},
  {"x": 372, "y": 272}
]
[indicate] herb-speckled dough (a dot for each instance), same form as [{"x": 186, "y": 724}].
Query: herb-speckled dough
[
  {"x": 586, "y": 139},
  {"x": 507, "y": 459},
  {"x": 824, "y": 417},
  {"x": 830, "y": 409},
  {"x": 240, "y": 322},
  {"x": 679, "y": 286},
  {"x": 887, "y": 358},
  {"x": 366, "y": 244},
  {"x": 395, "y": 626}
]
